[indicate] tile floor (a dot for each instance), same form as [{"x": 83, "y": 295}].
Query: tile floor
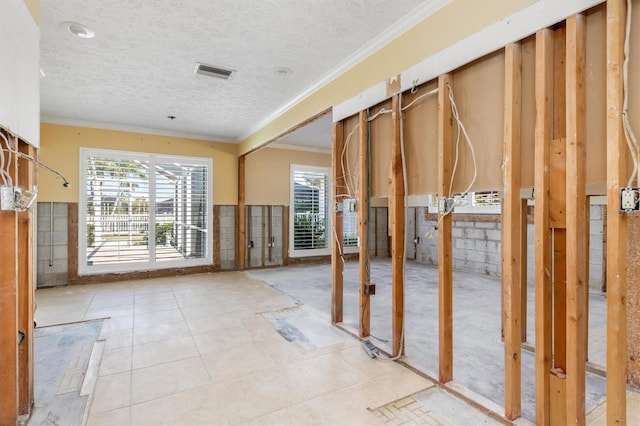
[{"x": 205, "y": 349}]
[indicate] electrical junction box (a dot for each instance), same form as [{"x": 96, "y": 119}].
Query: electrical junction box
[
  {"x": 630, "y": 199},
  {"x": 445, "y": 205},
  {"x": 6, "y": 197},
  {"x": 350, "y": 205}
]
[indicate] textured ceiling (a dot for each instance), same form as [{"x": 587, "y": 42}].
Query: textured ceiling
[{"x": 139, "y": 67}]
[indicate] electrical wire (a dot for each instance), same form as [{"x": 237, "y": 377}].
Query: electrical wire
[
  {"x": 419, "y": 98},
  {"x": 379, "y": 113},
  {"x": 456, "y": 116},
  {"x": 632, "y": 141},
  {"x": 6, "y": 176}
]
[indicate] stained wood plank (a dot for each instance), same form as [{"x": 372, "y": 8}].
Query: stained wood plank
[
  {"x": 242, "y": 220},
  {"x": 26, "y": 230},
  {"x": 524, "y": 231},
  {"x": 397, "y": 226},
  {"x": 577, "y": 287},
  {"x": 559, "y": 299},
  {"x": 363, "y": 220},
  {"x": 543, "y": 294},
  {"x": 511, "y": 232},
  {"x": 445, "y": 238},
  {"x": 337, "y": 246},
  {"x": 616, "y": 244},
  {"x": 9, "y": 312}
]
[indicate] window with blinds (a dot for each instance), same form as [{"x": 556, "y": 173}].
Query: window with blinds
[
  {"x": 309, "y": 211},
  {"x": 143, "y": 211}
]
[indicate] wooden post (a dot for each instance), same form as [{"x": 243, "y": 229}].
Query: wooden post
[
  {"x": 242, "y": 213},
  {"x": 543, "y": 300},
  {"x": 616, "y": 249},
  {"x": 337, "y": 247},
  {"x": 26, "y": 228},
  {"x": 9, "y": 311},
  {"x": 511, "y": 232},
  {"x": 577, "y": 287},
  {"x": 397, "y": 226},
  {"x": 363, "y": 220},
  {"x": 524, "y": 231},
  {"x": 445, "y": 237}
]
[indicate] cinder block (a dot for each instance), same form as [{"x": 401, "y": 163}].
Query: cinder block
[{"x": 475, "y": 234}]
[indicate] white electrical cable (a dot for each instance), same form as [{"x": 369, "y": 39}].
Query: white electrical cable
[
  {"x": 632, "y": 141},
  {"x": 348, "y": 177},
  {"x": 379, "y": 113},
  {"x": 456, "y": 116},
  {"x": 6, "y": 176},
  {"x": 419, "y": 98}
]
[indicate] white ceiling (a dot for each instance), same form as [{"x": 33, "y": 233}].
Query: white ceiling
[{"x": 139, "y": 67}]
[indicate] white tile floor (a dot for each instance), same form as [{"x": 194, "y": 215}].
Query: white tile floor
[
  {"x": 203, "y": 349},
  {"x": 197, "y": 350}
]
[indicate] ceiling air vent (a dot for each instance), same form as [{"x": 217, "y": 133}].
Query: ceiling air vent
[{"x": 212, "y": 71}]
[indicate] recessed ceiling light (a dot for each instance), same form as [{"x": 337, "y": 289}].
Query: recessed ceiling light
[
  {"x": 79, "y": 30},
  {"x": 283, "y": 71}
]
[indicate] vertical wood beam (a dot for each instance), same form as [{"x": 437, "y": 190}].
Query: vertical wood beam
[
  {"x": 242, "y": 213},
  {"x": 511, "y": 231},
  {"x": 397, "y": 226},
  {"x": 363, "y": 221},
  {"x": 542, "y": 233},
  {"x": 616, "y": 243},
  {"x": 524, "y": 232},
  {"x": 9, "y": 310},
  {"x": 577, "y": 287},
  {"x": 337, "y": 246},
  {"x": 445, "y": 237},
  {"x": 26, "y": 229}
]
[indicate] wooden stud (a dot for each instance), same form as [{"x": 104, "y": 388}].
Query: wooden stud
[
  {"x": 242, "y": 221},
  {"x": 511, "y": 232},
  {"x": 445, "y": 237},
  {"x": 559, "y": 298},
  {"x": 270, "y": 238},
  {"x": 337, "y": 246},
  {"x": 263, "y": 236},
  {"x": 249, "y": 235},
  {"x": 577, "y": 287},
  {"x": 26, "y": 229},
  {"x": 397, "y": 226},
  {"x": 285, "y": 235},
  {"x": 616, "y": 249},
  {"x": 9, "y": 312},
  {"x": 542, "y": 234},
  {"x": 524, "y": 227},
  {"x": 363, "y": 219}
]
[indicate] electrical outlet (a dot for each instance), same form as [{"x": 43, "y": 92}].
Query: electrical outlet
[{"x": 629, "y": 199}]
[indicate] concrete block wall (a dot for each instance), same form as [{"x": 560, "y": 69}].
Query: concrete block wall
[
  {"x": 379, "y": 232},
  {"x": 227, "y": 237},
  {"x": 477, "y": 245},
  {"x": 52, "y": 238}
]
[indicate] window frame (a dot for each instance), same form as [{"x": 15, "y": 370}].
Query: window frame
[{"x": 152, "y": 263}]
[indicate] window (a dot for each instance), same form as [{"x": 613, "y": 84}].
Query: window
[
  {"x": 143, "y": 211},
  {"x": 309, "y": 215}
]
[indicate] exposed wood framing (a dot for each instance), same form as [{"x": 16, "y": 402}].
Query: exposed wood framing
[
  {"x": 542, "y": 234},
  {"x": 445, "y": 237},
  {"x": 9, "y": 312},
  {"x": 559, "y": 297},
  {"x": 397, "y": 226},
  {"x": 242, "y": 221},
  {"x": 524, "y": 226},
  {"x": 363, "y": 220},
  {"x": 577, "y": 250},
  {"x": 26, "y": 229},
  {"x": 511, "y": 232},
  {"x": 616, "y": 247},
  {"x": 337, "y": 246}
]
